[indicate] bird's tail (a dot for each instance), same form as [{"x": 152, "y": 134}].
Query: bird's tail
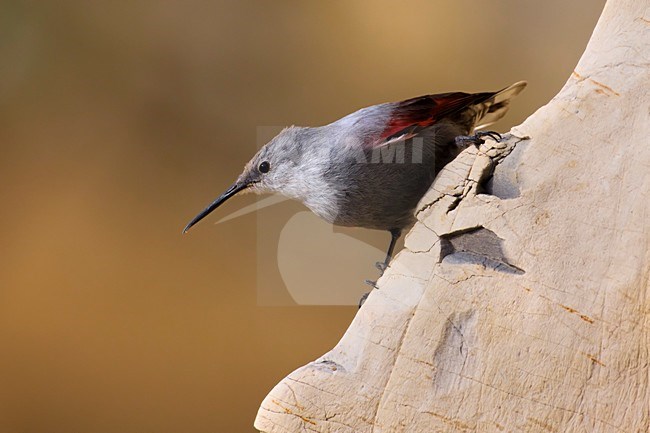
[{"x": 496, "y": 106}]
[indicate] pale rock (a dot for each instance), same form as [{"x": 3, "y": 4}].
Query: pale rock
[{"x": 526, "y": 309}]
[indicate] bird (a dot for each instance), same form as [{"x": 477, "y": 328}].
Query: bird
[{"x": 370, "y": 168}]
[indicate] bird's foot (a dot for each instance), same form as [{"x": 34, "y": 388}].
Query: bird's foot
[
  {"x": 382, "y": 268},
  {"x": 372, "y": 284},
  {"x": 477, "y": 138},
  {"x": 363, "y": 299}
]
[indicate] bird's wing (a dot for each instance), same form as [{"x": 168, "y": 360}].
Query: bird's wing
[{"x": 411, "y": 116}]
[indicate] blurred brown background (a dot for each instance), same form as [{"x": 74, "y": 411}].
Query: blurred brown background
[{"x": 120, "y": 120}]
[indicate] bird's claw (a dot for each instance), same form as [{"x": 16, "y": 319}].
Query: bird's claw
[
  {"x": 372, "y": 284},
  {"x": 492, "y": 134},
  {"x": 477, "y": 138},
  {"x": 382, "y": 267},
  {"x": 363, "y": 299}
]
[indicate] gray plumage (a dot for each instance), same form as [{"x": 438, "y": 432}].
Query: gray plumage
[{"x": 370, "y": 168}]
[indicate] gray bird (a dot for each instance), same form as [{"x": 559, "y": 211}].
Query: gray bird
[{"x": 370, "y": 168}]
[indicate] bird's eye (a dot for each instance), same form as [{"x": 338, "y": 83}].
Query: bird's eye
[{"x": 264, "y": 167}]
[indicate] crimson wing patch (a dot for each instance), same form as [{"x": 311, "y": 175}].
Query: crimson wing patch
[{"x": 411, "y": 116}]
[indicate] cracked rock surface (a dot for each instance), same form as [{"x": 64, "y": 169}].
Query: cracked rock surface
[{"x": 521, "y": 301}]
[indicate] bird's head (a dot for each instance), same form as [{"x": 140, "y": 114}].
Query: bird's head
[{"x": 276, "y": 167}]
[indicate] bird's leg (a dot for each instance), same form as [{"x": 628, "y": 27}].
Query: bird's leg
[
  {"x": 394, "y": 236},
  {"x": 477, "y": 139}
]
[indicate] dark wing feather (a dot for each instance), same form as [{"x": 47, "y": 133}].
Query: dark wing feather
[{"x": 411, "y": 116}]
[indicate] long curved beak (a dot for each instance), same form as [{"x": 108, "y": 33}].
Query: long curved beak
[{"x": 234, "y": 189}]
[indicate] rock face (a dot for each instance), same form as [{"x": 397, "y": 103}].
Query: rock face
[{"x": 521, "y": 301}]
